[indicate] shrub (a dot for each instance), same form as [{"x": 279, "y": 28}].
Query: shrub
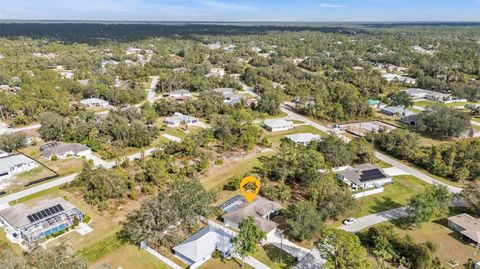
[
  {"x": 54, "y": 158},
  {"x": 86, "y": 218}
]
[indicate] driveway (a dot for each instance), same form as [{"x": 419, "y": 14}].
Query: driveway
[{"x": 376, "y": 218}]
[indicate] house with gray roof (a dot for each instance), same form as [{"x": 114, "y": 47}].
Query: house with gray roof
[
  {"x": 3, "y": 154},
  {"x": 178, "y": 118},
  {"x": 199, "y": 247},
  {"x": 396, "y": 111},
  {"x": 416, "y": 93},
  {"x": 64, "y": 150},
  {"x": 261, "y": 209},
  {"x": 31, "y": 222},
  {"x": 224, "y": 91},
  {"x": 303, "y": 138},
  {"x": 178, "y": 94},
  {"x": 364, "y": 176},
  {"x": 11, "y": 165},
  {"x": 394, "y": 77},
  {"x": 467, "y": 226},
  {"x": 276, "y": 125}
]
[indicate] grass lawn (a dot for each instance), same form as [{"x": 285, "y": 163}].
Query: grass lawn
[
  {"x": 130, "y": 257},
  {"x": 52, "y": 192},
  {"x": 394, "y": 195},
  {"x": 274, "y": 257},
  {"x": 99, "y": 250}
]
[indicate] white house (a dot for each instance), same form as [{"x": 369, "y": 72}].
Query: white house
[
  {"x": 394, "y": 77},
  {"x": 67, "y": 74},
  {"x": 396, "y": 110},
  {"x": 63, "y": 151},
  {"x": 15, "y": 164},
  {"x": 364, "y": 176},
  {"x": 3, "y": 154},
  {"x": 261, "y": 209},
  {"x": 94, "y": 102},
  {"x": 276, "y": 125},
  {"x": 199, "y": 247},
  {"x": 182, "y": 93},
  {"x": 303, "y": 138},
  {"x": 416, "y": 93},
  {"x": 178, "y": 118}
]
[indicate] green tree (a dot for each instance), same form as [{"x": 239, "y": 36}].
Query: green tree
[
  {"x": 400, "y": 99},
  {"x": 247, "y": 239},
  {"x": 12, "y": 142},
  {"x": 342, "y": 250},
  {"x": 304, "y": 220},
  {"x": 430, "y": 204},
  {"x": 443, "y": 121},
  {"x": 471, "y": 196}
]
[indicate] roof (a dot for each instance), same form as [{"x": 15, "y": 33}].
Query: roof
[
  {"x": 257, "y": 209},
  {"x": 203, "y": 243},
  {"x": 57, "y": 148},
  {"x": 179, "y": 118},
  {"x": 17, "y": 216},
  {"x": 303, "y": 138},
  {"x": 397, "y": 109},
  {"x": 312, "y": 260},
  {"x": 8, "y": 162},
  {"x": 224, "y": 90},
  {"x": 465, "y": 221},
  {"x": 277, "y": 123},
  {"x": 88, "y": 101},
  {"x": 361, "y": 173},
  {"x": 413, "y": 91},
  {"x": 181, "y": 91}
]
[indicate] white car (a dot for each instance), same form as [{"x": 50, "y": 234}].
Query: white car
[{"x": 349, "y": 221}]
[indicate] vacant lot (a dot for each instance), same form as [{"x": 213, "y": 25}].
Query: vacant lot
[
  {"x": 276, "y": 137},
  {"x": 130, "y": 257}
]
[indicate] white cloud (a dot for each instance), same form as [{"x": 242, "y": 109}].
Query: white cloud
[{"x": 331, "y": 5}]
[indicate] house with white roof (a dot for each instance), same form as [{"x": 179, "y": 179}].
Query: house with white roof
[
  {"x": 199, "y": 248},
  {"x": 416, "y": 93},
  {"x": 178, "y": 94},
  {"x": 394, "y": 77},
  {"x": 178, "y": 118},
  {"x": 396, "y": 110},
  {"x": 303, "y": 138},
  {"x": 94, "y": 102},
  {"x": 3, "y": 154},
  {"x": 276, "y": 125},
  {"x": 11, "y": 165}
]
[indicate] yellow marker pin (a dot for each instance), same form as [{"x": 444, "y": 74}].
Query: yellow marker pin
[{"x": 250, "y": 186}]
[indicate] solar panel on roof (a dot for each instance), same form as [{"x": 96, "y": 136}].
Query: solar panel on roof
[
  {"x": 371, "y": 174},
  {"x": 45, "y": 213}
]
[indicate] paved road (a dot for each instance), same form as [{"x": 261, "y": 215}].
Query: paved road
[
  {"x": 4, "y": 129},
  {"x": 376, "y": 218},
  {"x": 151, "y": 91},
  {"x": 17, "y": 195}
]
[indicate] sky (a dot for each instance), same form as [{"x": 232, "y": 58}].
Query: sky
[{"x": 242, "y": 10}]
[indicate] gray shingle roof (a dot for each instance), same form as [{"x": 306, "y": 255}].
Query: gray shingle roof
[{"x": 56, "y": 148}]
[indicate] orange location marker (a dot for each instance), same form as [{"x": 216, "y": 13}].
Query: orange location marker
[{"x": 249, "y": 187}]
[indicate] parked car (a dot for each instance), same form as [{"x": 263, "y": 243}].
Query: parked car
[{"x": 349, "y": 221}]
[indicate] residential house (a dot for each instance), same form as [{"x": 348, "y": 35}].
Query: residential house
[
  {"x": 83, "y": 82},
  {"x": 3, "y": 154},
  {"x": 232, "y": 99},
  {"x": 303, "y": 138},
  {"x": 416, "y": 93},
  {"x": 260, "y": 209},
  {"x": 11, "y": 165},
  {"x": 443, "y": 97},
  {"x": 178, "y": 94},
  {"x": 31, "y": 222},
  {"x": 224, "y": 91},
  {"x": 411, "y": 119},
  {"x": 373, "y": 102},
  {"x": 467, "y": 226},
  {"x": 199, "y": 247},
  {"x": 109, "y": 62},
  {"x": 68, "y": 74},
  {"x": 394, "y": 77},
  {"x": 132, "y": 51},
  {"x": 94, "y": 102},
  {"x": 364, "y": 176},
  {"x": 8, "y": 89},
  {"x": 178, "y": 118},
  {"x": 276, "y": 125},
  {"x": 64, "y": 150},
  {"x": 396, "y": 111}
]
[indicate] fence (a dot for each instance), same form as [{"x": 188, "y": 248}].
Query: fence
[
  {"x": 164, "y": 259},
  {"x": 366, "y": 193}
]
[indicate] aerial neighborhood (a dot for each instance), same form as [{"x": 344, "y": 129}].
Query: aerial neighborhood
[{"x": 126, "y": 145}]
